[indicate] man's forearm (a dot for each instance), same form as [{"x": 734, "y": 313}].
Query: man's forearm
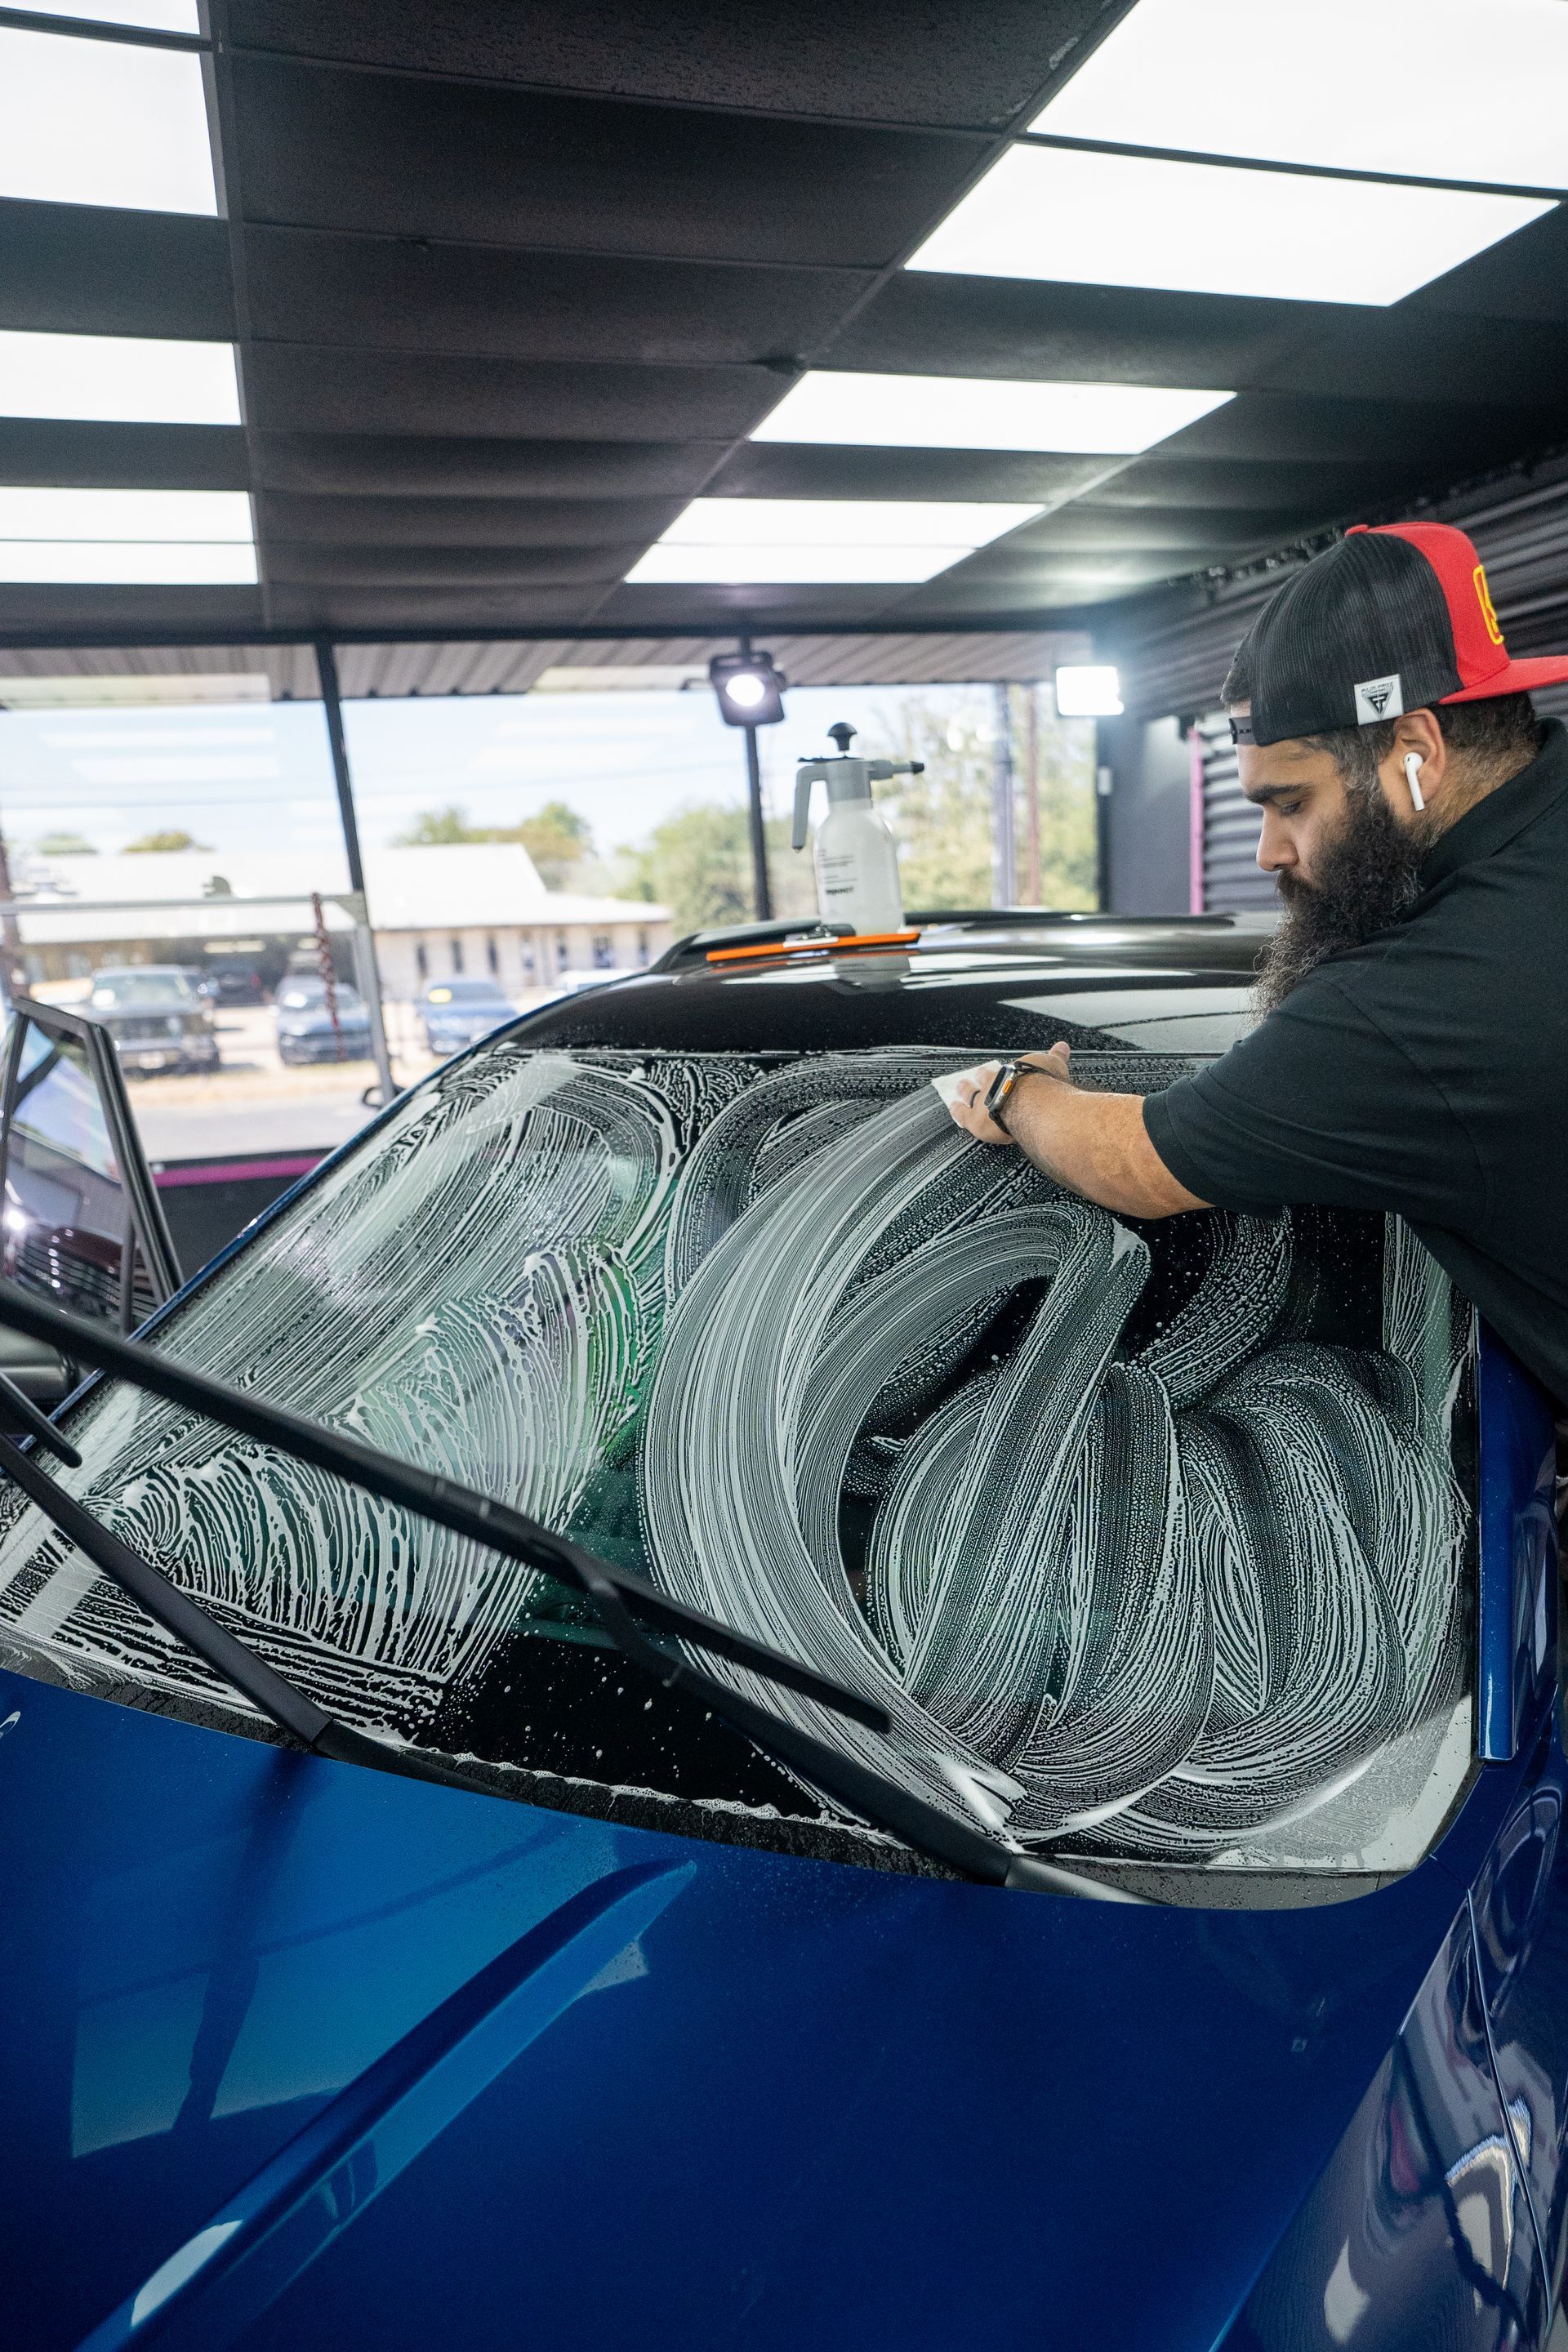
[{"x": 1096, "y": 1144}]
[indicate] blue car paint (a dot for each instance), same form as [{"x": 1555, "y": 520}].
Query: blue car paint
[{"x": 247, "y": 2102}]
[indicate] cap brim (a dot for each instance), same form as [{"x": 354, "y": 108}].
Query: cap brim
[{"x": 1516, "y": 677}]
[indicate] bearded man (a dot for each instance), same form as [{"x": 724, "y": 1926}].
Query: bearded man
[{"x": 1413, "y": 1055}]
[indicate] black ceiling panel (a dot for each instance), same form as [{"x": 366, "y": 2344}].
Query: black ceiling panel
[
  {"x": 337, "y": 149},
  {"x": 64, "y": 450},
  {"x": 51, "y": 615},
  {"x": 889, "y": 60},
  {"x": 1321, "y": 487},
  {"x": 306, "y": 562},
  {"x": 413, "y": 466},
  {"x": 928, "y": 323},
  {"x": 515, "y": 281},
  {"x": 435, "y": 612},
  {"x": 788, "y": 469},
  {"x": 430, "y": 522},
  {"x": 303, "y": 388},
  {"x": 92, "y": 269},
  {"x": 394, "y": 294}
]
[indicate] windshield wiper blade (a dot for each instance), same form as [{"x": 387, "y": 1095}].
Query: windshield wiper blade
[
  {"x": 188, "y": 1622},
  {"x": 447, "y": 1501},
  {"x": 615, "y": 1593}
]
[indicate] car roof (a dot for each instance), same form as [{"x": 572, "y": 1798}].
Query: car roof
[{"x": 992, "y": 980}]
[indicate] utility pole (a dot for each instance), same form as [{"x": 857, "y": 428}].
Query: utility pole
[
  {"x": 1004, "y": 861},
  {"x": 1032, "y": 897}
]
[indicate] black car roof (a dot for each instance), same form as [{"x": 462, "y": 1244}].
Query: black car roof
[{"x": 987, "y": 980}]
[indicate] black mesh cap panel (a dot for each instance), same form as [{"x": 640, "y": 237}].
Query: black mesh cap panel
[{"x": 1371, "y": 608}]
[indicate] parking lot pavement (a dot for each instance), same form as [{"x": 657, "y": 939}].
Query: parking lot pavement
[{"x": 251, "y": 1103}]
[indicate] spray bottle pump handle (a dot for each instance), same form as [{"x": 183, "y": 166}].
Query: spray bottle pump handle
[{"x": 805, "y": 775}]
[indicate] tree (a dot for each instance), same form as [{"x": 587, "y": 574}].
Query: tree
[
  {"x": 165, "y": 843},
  {"x": 66, "y": 845},
  {"x": 942, "y": 820},
  {"x": 557, "y": 838},
  {"x": 698, "y": 863},
  {"x": 440, "y": 828}
]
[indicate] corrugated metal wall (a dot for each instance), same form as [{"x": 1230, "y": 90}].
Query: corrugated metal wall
[{"x": 1225, "y": 833}]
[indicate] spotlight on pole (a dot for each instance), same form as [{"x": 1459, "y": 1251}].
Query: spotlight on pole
[
  {"x": 1087, "y": 690},
  {"x": 750, "y": 694},
  {"x": 749, "y": 688}
]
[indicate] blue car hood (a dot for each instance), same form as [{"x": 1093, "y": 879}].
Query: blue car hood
[{"x": 297, "y": 2053}]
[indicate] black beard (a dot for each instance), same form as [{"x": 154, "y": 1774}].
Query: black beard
[{"x": 1367, "y": 878}]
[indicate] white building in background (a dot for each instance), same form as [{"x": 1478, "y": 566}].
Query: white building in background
[{"x": 476, "y": 908}]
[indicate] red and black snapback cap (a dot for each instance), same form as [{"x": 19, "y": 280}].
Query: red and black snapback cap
[{"x": 1392, "y": 619}]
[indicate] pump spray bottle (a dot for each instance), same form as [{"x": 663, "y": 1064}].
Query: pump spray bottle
[{"x": 857, "y": 865}]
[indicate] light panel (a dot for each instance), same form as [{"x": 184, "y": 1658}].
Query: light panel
[
  {"x": 944, "y": 412},
  {"x": 786, "y": 542},
  {"x": 1095, "y": 219},
  {"x": 103, "y": 122},
  {"x": 187, "y": 515},
  {"x": 126, "y": 563},
  {"x": 118, "y": 379},
  {"x": 1435, "y": 89}
]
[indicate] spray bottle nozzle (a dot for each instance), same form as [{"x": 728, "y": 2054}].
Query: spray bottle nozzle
[{"x": 843, "y": 734}]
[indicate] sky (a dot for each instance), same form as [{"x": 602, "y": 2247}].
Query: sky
[{"x": 257, "y": 776}]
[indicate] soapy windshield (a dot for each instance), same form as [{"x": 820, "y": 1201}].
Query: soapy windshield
[{"x": 1149, "y": 1539}]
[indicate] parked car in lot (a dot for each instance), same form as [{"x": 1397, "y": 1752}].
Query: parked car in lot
[
  {"x": 157, "y": 1017},
  {"x": 916, "y": 1764},
  {"x": 457, "y": 1012},
  {"x": 311, "y": 1030}
]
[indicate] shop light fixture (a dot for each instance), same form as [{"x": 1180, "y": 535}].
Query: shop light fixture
[
  {"x": 1431, "y": 89},
  {"x": 1087, "y": 690},
  {"x": 778, "y": 542},
  {"x": 86, "y": 121},
  {"x": 1097, "y": 219},
  {"x": 947, "y": 411},
  {"x": 125, "y": 538},
  {"x": 118, "y": 379}
]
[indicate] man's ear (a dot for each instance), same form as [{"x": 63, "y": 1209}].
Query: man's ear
[{"x": 1418, "y": 737}]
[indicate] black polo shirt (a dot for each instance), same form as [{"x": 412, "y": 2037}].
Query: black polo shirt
[{"x": 1425, "y": 1072}]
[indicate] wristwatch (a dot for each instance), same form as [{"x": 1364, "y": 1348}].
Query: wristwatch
[{"x": 1000, "y": 1091}]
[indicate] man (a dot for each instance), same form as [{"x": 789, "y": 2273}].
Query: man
[{"x": 1414, "y": 1051}]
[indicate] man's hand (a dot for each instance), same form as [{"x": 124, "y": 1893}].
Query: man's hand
[
  {"x": 964, "y": 1093},
  {"x": 1095, "y": 1144}
]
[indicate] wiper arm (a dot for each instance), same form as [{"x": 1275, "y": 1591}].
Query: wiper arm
[
  {"x": 615, "y": 1593},
  {"x": 451, "y": 1505},
  {"x": 189, "y": 1622}
]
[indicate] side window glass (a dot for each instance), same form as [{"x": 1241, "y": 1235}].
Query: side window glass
[{"x": 68, "y": 1225}]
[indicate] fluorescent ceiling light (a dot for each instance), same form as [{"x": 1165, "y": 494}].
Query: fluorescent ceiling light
[
  {"x": 120, "y": 379},
  {"x": 123, "y": 562},
  {"x": 843, "y": 522},
  {"x": 781, "y": 542},
  {"x": 1087, "y": 690},
  {"x": 1435, "y": 89},
  {"x": 946, "y": 412},
  {"x": 120, "y": 693},
  {"x": 103, "y": 122},
  {"x": 147, "y": 15},
  {"x": 1213, "y": 228},
  {"x": 185, "y": 514}
]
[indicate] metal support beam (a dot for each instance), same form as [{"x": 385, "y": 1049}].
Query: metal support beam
[
  {"x": 1003, "y": 849},
  {"x": 762, "y": 896},
  {"x": 367, "y": 970}
]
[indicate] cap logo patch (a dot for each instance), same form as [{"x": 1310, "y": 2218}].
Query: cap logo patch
[
  {"x": 1378, "y": 697},
  {"x": 1489, "y": 611}
]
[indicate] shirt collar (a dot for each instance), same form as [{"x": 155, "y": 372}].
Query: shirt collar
[{"x": 1492, "y": 824}]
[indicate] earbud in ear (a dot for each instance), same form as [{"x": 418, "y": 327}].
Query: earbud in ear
[{"x": 1413, "y": 776}]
